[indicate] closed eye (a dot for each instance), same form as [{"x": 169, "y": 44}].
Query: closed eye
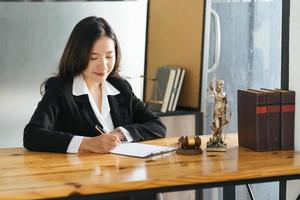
[{"x": 93, "y": 58}]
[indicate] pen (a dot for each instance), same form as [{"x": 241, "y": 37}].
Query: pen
[{"x": 99, "y": 129}]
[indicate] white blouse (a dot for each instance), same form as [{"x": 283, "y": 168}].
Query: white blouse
[{"x": 104, "y": 117}]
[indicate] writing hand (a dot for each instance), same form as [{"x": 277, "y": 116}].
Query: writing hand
[
  {"x": 103, "y": 143},
  {"x": 118, "y": 133}
]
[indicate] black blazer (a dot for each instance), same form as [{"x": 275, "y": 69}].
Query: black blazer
[{"x": 60, "y": 115}]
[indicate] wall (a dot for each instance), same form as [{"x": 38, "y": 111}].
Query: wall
[
  {"x": 32, "y": 38},
  {"x": 294, "y": 82}
]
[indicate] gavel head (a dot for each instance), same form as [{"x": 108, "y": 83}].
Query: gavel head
[
  {"x": 185, "y": 142},
  {"x": 197, "y": 142}
]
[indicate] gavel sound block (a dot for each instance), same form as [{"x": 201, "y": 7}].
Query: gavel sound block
[{"x": 189, "y": 145}]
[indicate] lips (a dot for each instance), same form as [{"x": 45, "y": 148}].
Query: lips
[{"x": 99, "y": 73}]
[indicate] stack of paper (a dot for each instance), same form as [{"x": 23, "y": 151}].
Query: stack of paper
[{"x": 140, "y": 150}]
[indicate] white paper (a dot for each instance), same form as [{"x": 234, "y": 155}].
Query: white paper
[{"x": 140, "y": 150}]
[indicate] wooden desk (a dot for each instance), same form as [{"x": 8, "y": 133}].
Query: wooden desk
[{"x": 34, "y": 175}]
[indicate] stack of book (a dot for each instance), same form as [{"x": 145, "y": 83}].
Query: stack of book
[
  {"x": 166, "y": 89},
  {"x": 266, "y": 119}
]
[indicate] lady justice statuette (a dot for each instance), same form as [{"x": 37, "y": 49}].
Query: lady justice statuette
[{"x": 221, "y": 117}]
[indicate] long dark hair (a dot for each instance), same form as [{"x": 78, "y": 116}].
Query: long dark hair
[{"x": 76, "y": 54}]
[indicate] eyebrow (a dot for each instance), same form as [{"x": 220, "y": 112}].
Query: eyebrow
[{"x": 94, "y": 53}]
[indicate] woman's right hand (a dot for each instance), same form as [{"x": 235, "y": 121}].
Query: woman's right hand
[{"x": 103, "y": 143}]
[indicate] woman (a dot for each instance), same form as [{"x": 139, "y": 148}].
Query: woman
[{"x": 88, "y": 92}]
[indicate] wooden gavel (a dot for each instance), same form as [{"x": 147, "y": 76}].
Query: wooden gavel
[{"x": 186, "y": 143}]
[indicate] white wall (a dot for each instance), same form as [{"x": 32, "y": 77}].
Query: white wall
[
  {"x": 294, "y": 83},
  {"x": 32, "y": 38}
]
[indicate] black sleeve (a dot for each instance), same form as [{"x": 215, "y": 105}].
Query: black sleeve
[
  {"x": 39, "y": 133},
  {"x": 146, "y": 125}
]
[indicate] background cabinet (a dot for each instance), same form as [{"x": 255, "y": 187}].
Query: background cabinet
[
  {"x": 180, "y": 123},
  {"x": 174, "y": 37}
]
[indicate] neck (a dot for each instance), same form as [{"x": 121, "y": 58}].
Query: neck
[{"x": 92, "y": 85}]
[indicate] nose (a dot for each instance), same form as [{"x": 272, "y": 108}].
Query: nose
[{"x": 102, "y": 63}]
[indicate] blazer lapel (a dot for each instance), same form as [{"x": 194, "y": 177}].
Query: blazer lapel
[
  {"x": 86, "y": 111},
  {"x": 118, "y": 110}
]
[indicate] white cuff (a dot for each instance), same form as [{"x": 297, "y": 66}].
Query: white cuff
[
  {"x": 126, "y": 134},
  {"x": 75, "y": 144}
]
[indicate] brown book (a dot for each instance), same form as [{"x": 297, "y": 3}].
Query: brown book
[
  {"x": 287, "y": 119},
  {"x": 273, "y": 119},
  {"x": 252, "y": 120}
]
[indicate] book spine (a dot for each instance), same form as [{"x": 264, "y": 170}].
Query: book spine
[
  {"x": 287, "y": 120},
  {"x": 243, "y": 127},
  {"x": 168, "y": 91},
  {"x": 252, "y": 119},
  {"x": 178, "y": 89},
  {"x": 261, "y": 122},
  {"x": 174, "y": 89},
  {"x": 273, "y": 120}
]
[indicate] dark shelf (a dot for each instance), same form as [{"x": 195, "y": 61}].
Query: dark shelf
[{"x": 177, "y": 112}]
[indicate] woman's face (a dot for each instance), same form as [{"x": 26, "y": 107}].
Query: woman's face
[{"x": 101, "y": 61}]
